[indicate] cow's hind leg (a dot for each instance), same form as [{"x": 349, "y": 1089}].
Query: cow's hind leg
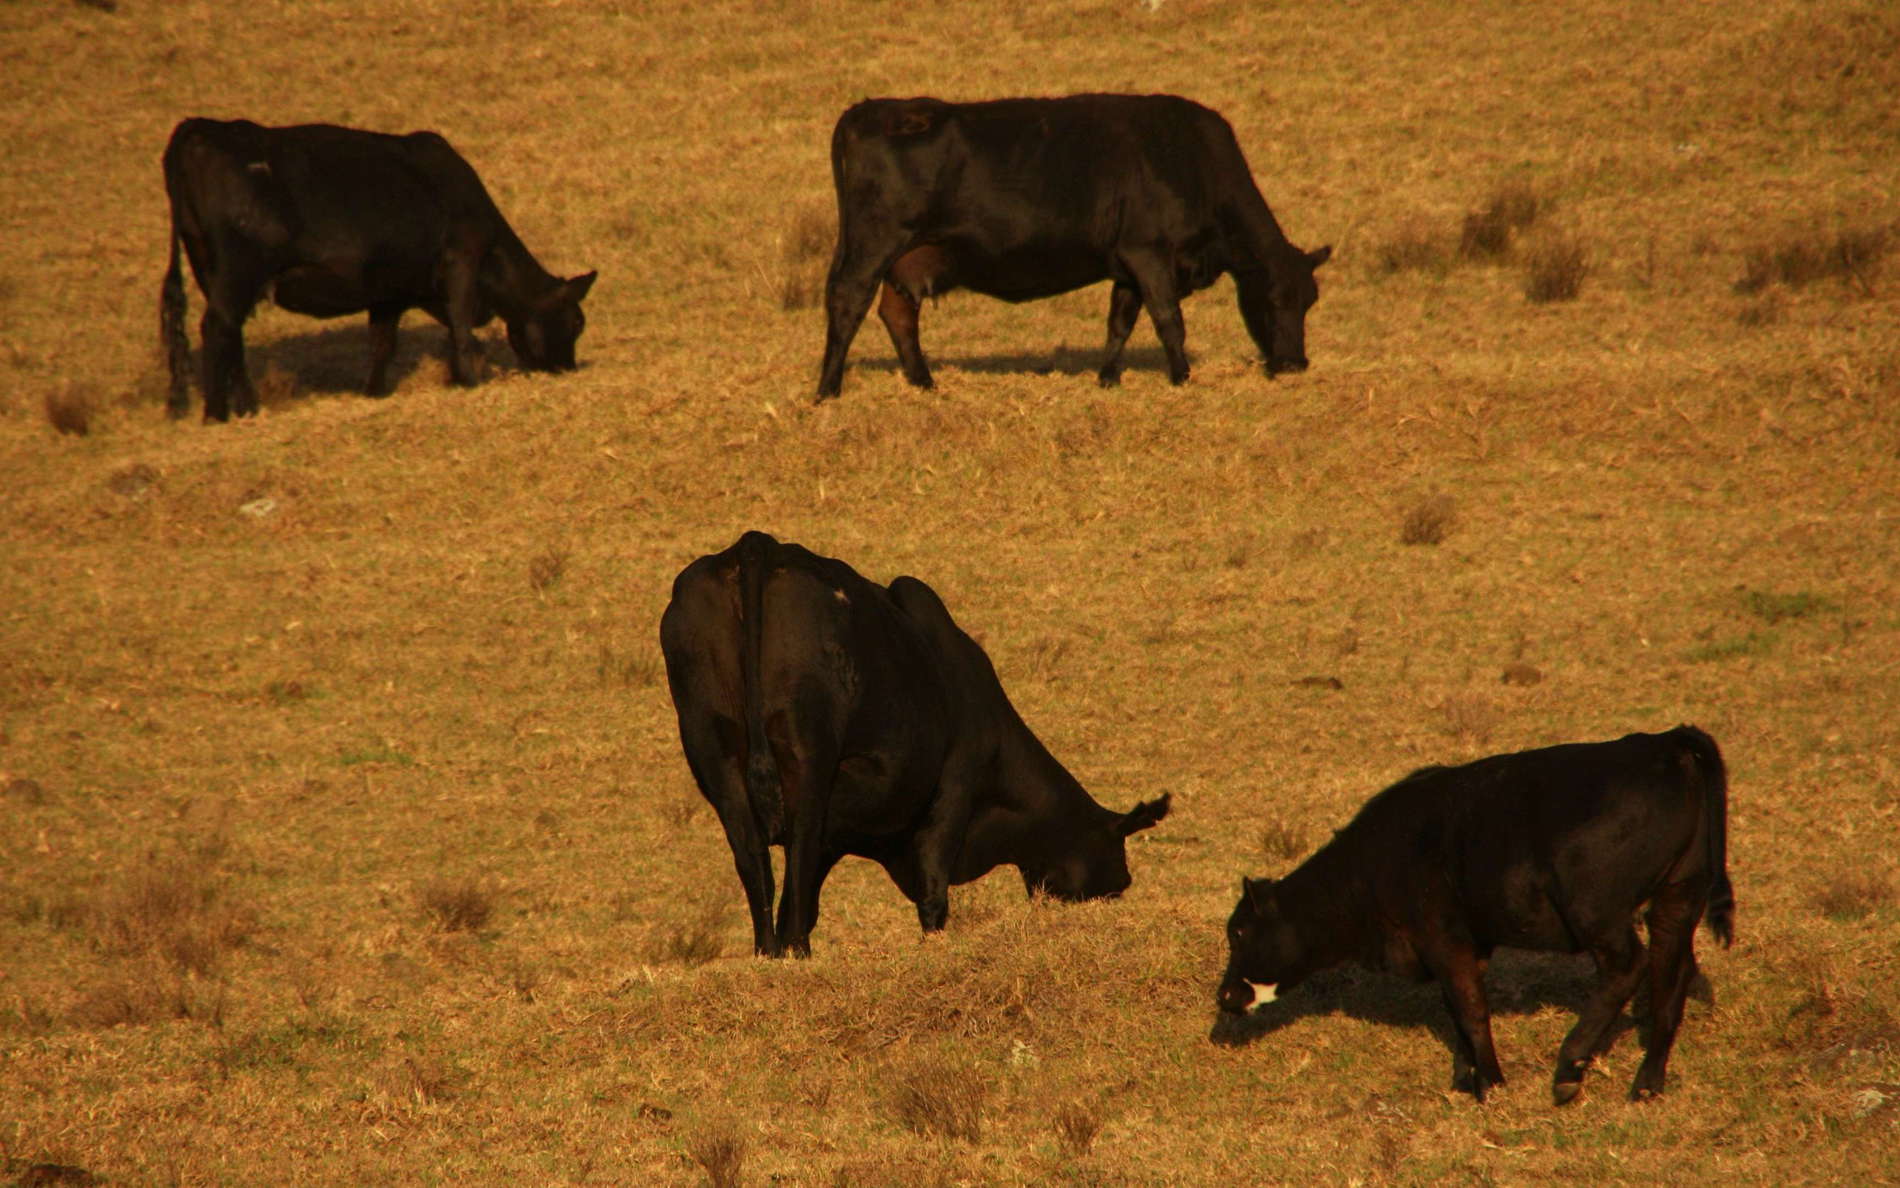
[
  {"x": 712, "y": 751},
  {"x": 1619, "y": 964},
  {"x": 858, "y": 266},
  {"x": 383, "y": 320},
  {"x": 1474, "y": 1065},
  {"x": 1672, "y": 918},
  {"x": 807, "y": 766},
  {"x": 1124, "y": 307},
  {"x": 228, "y": 302},
  {"x": 1154, "y": 276}
]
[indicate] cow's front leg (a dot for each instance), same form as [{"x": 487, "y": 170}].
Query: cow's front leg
[
  {"x": 467, "y": 362},
  {"x": 1154, "y": 277},
  {"x": 939, "y": 843},
  {"x": 1124, "y": 307},
  {"x": 383, "y": 320},
  {"x": 898, "y": 312}
]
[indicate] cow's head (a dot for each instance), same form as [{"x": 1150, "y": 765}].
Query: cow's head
[
  {"x": 544, "y": 336},
  {"x": 1093, "y": 862},
  {"x": 1266, "y": 955},
  {"x": 1280, "y": 311}
]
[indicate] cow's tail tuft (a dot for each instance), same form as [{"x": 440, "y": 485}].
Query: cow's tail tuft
[
  {"x": 171, "y": 327},
  {"x": 761, "y": 769},
  {"x": 1714, "y": 781}
]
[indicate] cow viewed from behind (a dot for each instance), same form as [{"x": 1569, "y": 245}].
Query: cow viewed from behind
[
  {"x": 1554, "y": 849},
  {"x": 332, "y": 221},
  {"x": 1027, "y": 198},
  {"x": 830, "y": 715}
]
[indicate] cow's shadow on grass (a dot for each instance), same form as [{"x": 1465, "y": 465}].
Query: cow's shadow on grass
[
  {"x": 332, "y": 359},
  {"x": 1063, "y": 360},
  {"x": 1517, "y": 983}
]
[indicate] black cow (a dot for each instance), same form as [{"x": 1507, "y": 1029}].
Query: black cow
[
  {"x": 831, "y": 715},
  {"x": 1555, "y": 849},
  {"x": 1027, "y": 198},
  {"x": 333, "y": 221}
]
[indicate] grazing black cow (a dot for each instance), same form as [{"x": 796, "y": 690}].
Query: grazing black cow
[
  {"x": 1553, "y": 849},
  {"x": 831, "y": 715},
  {"x": 1027, "y": 198},
  {"x": 333, "y": 221}
]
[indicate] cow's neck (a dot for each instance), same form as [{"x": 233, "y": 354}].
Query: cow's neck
[
  {"x": 1051, "y": 802},
  {"x": 1326, "y": 897},
  {"x": 512, "y": 280}
]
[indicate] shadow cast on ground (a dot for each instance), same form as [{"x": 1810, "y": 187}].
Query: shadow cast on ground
[
  {"x": 1517, "y": 983},
  {"x": 1064, "y": 360}
]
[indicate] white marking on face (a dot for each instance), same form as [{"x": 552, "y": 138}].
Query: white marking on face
[
  {"x": 840, "y": 596},
  {"x": 1263, "y": 993}
]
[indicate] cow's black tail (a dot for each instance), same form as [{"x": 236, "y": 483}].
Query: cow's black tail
[
  {"x": 761, "y": 769},
  {"x": 1714, "y": 773},
  {"x": 171, "y": 327}
]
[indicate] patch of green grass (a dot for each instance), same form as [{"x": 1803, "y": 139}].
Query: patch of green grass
[
  {"x": 1734, "y": 647},
  {"x": 375, "y": 753},
  {"x": 1774, "y": 608}
]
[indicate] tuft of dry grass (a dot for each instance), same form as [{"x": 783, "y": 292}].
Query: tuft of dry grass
[
  {"x": 1554, "y": 268},
  {"x": 629, "y": 670},
  {"x": 172, "y": 906},
  {"x": 1851, "y": 254},
  {"x": 1428, "y": 520},
  {"x": 719, "y": 1149},
  {"x": 546, "y": 568},
  {"x": 805, "y": 253},
  {"x": 26, "y": 791},
  {"x": 1854, "y": 894},
  {"x": 1076, "y": 1125},
  {"x": 1487, "y": 233},
  {"x": 937, "y": 1097},
  {"x": 1469, "y": 717},
  {"x": 70, "y": 409},
  {"x": 456, "y": 905},
  {"x": 1414, "y": 246},
  {"x": 695, "y": 941},
  {"x": 1281, "y": 842}
]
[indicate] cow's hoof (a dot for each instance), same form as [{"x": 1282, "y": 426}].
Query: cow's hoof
[{"x": 1109, "y": 379}]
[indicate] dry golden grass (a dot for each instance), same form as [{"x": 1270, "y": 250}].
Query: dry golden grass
[{"x": 262, "y": 684}]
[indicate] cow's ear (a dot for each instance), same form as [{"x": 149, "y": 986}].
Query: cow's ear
[
  {"x": 1319, "y": 256},
  {"x": 1258, "y": 892},
  {"x": 575, "y": 288},
  {"x": 1145, "y": 815}
]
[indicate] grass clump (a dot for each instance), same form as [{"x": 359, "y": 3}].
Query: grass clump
[
  {"x": 804, "y": 257},
  {"x": 1281, "y": 842},
  {"x": 1428, "y": 521},
  {"x": 1076, "y": 1125},
  {"x": 70, "y": 409},
  {"x": 1854, "y": 894},
  {"x": 719, "y": 1150},
  {"x": 1413, "y": 247},
  {"x": 1487, "y": 233},
  {"x": 935, "y": 1097},
  {"x": 1851, "y": 254},
  {"x": 1554, "y": 269},
  {"x": 457, "y": 905},
  {"x": 546, "y": 568},
  {"x": 693, "y": 942}
]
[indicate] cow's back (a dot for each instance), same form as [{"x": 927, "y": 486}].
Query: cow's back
[{"x": 1524, "y": 844}]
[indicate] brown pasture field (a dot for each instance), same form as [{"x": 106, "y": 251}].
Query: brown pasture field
[{"x": 347, "y": 838}]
